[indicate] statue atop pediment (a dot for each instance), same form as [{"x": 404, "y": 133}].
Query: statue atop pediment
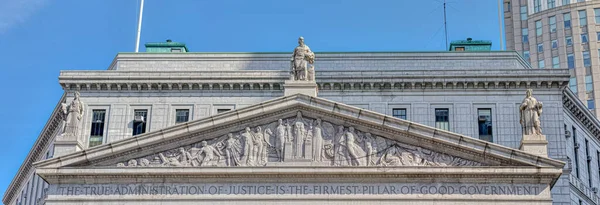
[{"x": 302, "y": 62}]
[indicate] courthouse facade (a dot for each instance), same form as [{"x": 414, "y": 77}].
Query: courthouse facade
[{"x": 170, "y": 126}]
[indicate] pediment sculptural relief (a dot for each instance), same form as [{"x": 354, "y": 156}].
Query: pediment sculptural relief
[{"x": 298, "y": 140}]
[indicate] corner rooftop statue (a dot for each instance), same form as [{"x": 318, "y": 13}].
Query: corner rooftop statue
[{"x": 533, "y": 140}]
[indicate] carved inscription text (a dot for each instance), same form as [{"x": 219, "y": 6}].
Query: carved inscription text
[{"x": 297, "y": 189}]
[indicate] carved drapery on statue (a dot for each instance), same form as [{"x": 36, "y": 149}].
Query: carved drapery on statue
[
  {"x": 302, "y": 62},
  {"x": 298, "y": 139},
  {"x": 530, "y": 111},
  {"x": 73, "y": 114}
]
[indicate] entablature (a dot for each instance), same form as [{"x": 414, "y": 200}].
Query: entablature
[
  {"x": 236, "y": 81},
  {"x": 492, "y": 174},
  {"x": 573, "y": 105}
]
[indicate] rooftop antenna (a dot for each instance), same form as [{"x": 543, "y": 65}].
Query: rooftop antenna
[
  {"x": 445, "y": 25},
  {"x": 500, "y": 24},
  {"x": 139, "y": 28}
]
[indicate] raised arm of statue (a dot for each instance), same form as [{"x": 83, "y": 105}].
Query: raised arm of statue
[
  {"x": 64, "y": 108},
  {"x": 267, "y": 136}
]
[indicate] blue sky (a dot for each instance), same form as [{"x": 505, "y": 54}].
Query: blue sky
[{"x": 38, "y": 38}]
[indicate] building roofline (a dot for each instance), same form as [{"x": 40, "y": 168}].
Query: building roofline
[
  {"x": 199, "y": 56},
  {"x": 325, "y": 52},
  {"x": 572, "y": 104}
]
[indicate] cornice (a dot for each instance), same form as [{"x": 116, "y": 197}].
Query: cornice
[
  {"x": 35, "y": 154},
  {"x": 300, "y": 174},
  {"x": 574, "y": 106},
  {"x": 242, "y": 81}
]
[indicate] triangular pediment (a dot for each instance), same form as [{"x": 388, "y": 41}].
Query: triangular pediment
[{"x": 299, "y": 130}]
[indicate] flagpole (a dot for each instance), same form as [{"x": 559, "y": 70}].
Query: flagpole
[
  {"x": 139, "y": 28},
  {"x": 499, "y": 23}
]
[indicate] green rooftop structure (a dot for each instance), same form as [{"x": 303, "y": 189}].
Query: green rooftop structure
[
  {"x": 470, "y": 45},
  {"x": 166, "y": 47}
]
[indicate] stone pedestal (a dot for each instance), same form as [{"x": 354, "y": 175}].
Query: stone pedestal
[
  {"x": 535, "y": 144},
  {"x": 292, "y": 87},
  {"x": 63, "y": 147},
  {"x": 66, "y": 143}
]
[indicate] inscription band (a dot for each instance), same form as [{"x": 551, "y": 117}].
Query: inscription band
[{"x": 295, "y": 189}]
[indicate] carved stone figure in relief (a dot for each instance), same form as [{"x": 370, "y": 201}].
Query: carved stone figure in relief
[
  {"x": 301, "y": 57},
  {"x": 407, "y": 155},
  {"x": 370, "y": 152},
  {"x": 356, "y": 155},
  {"x": 192, "y": 155},
  {"x": 441, "y": 159},
  {"x": 233, "y": 150},
  {"x": 281, "y": 135},
  {"x": 391, "y": 157},
  {"x": 183, "y": 157},
  {"x": 299, "y": 134},
  {"x": 209, "y": 153},
  {"x": 397, "y": 156},
  {"x": 336, "y": 144},
  {"x": 530, "y": 111},
  {"x": 74, "y": 114},
  {"x": 257, "y": 139},
  {"x": 288, "y": 132},
  {"x": 309, "y": 133},
  {"x": 132, "y": 163},
  {"x": 339, "y": 146},
  {"x": 261, "y": 145},
  {"x": 144, "y": 162},
  {"x": 413, "y": 157},
  {"x": 317, "y": 140},
  {"x": 172, "y": 161},
  {"x": 248, "y": 157}
]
